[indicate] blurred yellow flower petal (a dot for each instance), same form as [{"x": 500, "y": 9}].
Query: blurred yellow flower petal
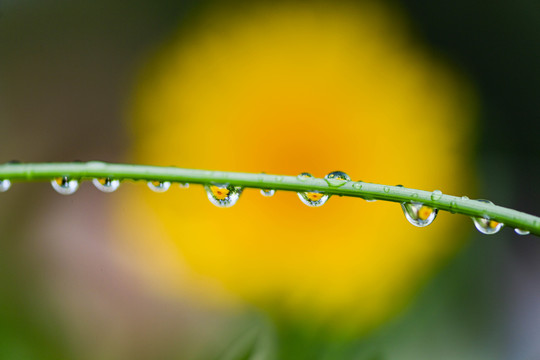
[{"x": 290, "y": 88}]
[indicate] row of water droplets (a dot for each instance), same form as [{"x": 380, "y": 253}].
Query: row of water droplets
[
  {"x": 66, "y": 186},
  {"x": 226, "y": 195}
]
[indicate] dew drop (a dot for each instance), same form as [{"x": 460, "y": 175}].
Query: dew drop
[
  {"x": 465, "y": 198},
  {"x": 419, "y": 214},
  {"x": 436, "y": 195},
  {"x": 5, "y": 185},
  {"x": 313, "y": 198},
  {"x": 453, "y": 207},
  {"x": 106, "y": 184},
  {"x": 487, "y": 226},
  {"x": 337, "y": 178},
  {"x": 304, "y": 176},
  {"x": 414, "y": 195},
  {"x": 159, "y": 186},
  {"x": 279, "y": 178},
  {"x": 64, "y": 185},
  {"x": 183, "y": 185},
  {"x": 386, "y": 189},
  {"x": 268, "y": 192},
  {"x": 357, "y": 186},
  {"x": 522, "y": 232},
  {"x": 370, "y": 200},
  {"x": 223, "y": 195}
]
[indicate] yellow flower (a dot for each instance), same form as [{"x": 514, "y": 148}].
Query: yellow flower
[
  {"x": 298, "y": 87},
  {"x": 493, "y": 224},
  {"x": 424, "y": 212},
  {"x": 219, "y": 193},
  {"x": 314, "y": 196}
]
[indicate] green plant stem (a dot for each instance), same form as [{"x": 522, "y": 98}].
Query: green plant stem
[{"x": 95, "y": 169}]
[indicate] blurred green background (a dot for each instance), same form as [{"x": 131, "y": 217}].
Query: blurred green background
[{"x": 67, "y": 73}]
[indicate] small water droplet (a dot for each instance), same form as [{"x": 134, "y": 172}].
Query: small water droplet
[
  {"x": 268, "y": 192},
  {"x": 337, "y": 178},
  {"x": 223, "y": 195},
  {"x": 159, "y": 186},
  {"x": 279, "y": 178},
  {"x": 399, "y": 185},
  {"x": 487, "y": 226},
  {"x": 370, "y": 200},
  {"x": 106, "y": 184},
  {"x": 304, "y": 176},
  {"x": 465, "y": 198},
  {"x": 313, "y": 198},
  {"x": 357, "y": 186},
  {"x": 522, "y": 232},
  {"x": 386, "y": 189},
  {"x": 5, "y": 185},
  {"x": 183, "y": 185},
  {"x": 419, "y": 214},
  {"x": 64, "y": 185},
  {"x": 414, "y": 195},
  {"x": 453, "y": 207},
  {"x": 436, "y": 195}
]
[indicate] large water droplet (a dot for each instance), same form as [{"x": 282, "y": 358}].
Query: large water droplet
[
  {"x": 5, "y": 185},
  {"x": 419, "y": 214},
  {"x": 159, "y": 186},
  {"x": 436, "y": 195},
  {"x": 522, "y": 232},
  {"x": 313, "y": 198},
  {"x": 268, "y": 192},
  {"x": 106, "y": 184},
  {"x": 223, "y": 195},
  {"x": 337, "y": 178},
  {"x": 487, "y": 226},
  {"x": 64, "y": 185}
]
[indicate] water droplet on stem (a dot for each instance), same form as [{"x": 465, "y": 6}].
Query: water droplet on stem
[
  {"x": 487, "y": 226},
  {"x": 337, "y": 178},
  {"x": 223, "y": 195},
  {"x": 304, "y": 176},
  {"x": 419, "y": 214},
  {"x": 436, "y": 195},
  {"x": 311, "y": 198},
  {"x": 106, "y": 184},
  {"x": 268, "y": 192},
  {"x": 64, "y": 185},
  {"x": 5, "y": 185},
  {"x": 159, "y": 186},
  {"x": 522, "y": 232}
]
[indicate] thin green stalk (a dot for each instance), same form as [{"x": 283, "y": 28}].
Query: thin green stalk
[{"x": 94, "y": 169}]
